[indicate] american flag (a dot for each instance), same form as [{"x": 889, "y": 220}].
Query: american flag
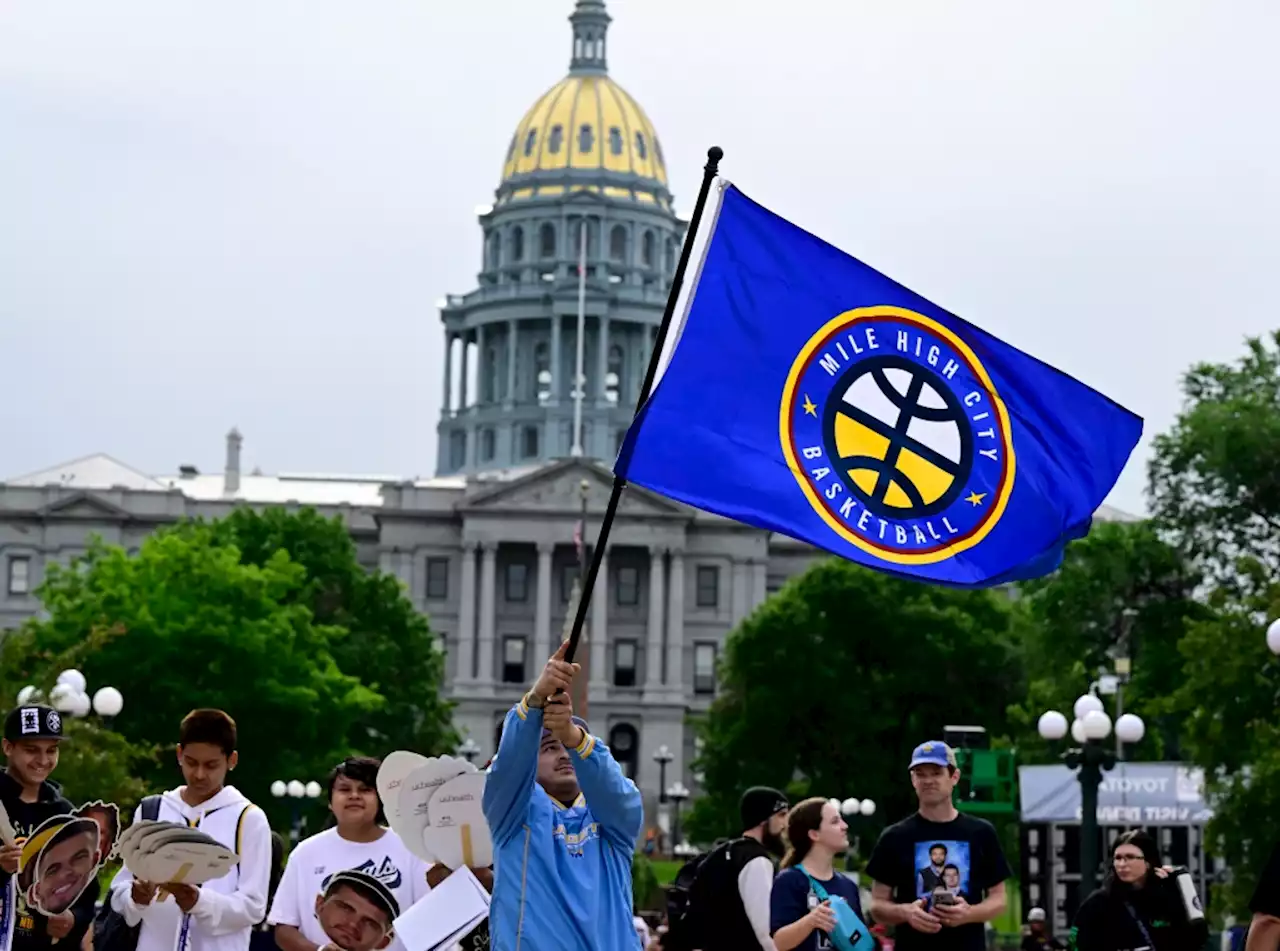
[{"x": 577, "y": 537}]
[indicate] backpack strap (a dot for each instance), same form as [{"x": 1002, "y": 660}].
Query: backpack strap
[
  {"x": 240, "y": 826},
  {"x": 815, "y": 885},
  {"x": 151, "y": 808}
]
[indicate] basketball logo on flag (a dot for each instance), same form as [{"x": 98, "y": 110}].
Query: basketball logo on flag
[{"x": 897, "y": 436}]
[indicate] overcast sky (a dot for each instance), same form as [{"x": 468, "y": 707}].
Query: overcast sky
[{"x": 242, "y": 213}]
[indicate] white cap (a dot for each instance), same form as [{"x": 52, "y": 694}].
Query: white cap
[{"x": 1036, "y": 914}]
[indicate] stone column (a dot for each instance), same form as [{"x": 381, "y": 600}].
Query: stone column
[
  {"x": 760, "y": 578},
  {"x": 488, "y": 608},
  {"x": 463, "y": 395},
  {"x": 740, "y": 582},
  {"x": 483, "y": 374},
  {"x": 465, "y": 669},
  {"x": 542, "y": 611},
  {"x": 512, "y": 340},
  {"x": 675, "y": 625},
  {"x": 446, "y": 404},
  {"x": 657, "y": 606},
  {"x": 600, "y": 675},
  {"x": 557, "y": 384}
]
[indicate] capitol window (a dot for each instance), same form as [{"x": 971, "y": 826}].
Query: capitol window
[
  {"x": 547, "y": 239},
  {"x": 704, "y": 668},
  {"x": 517, "y": 243},
  {"x": 647, "y": 250},
  {"x": 517, "y": 582},
  {"x": 618, "y": 243},
  {"x": 20, "y": 575},
  {"x": 529, "y": 442},
  {"x": 437, "y": 578},
  {"x": 555, "y": 139},
  {"x": 615, "y": 140},
  {"x": 488, "y": 445},
  {"x": 513, "y": 660},
  {"x": 708, "y": 586},
  {"x": 529, "y": 141},
  {"x": 641, "y": 150},
  {"x": 627, "y": 590},
  {"x": 624, "y": 663},
  {"x": 586, "y": 138}
]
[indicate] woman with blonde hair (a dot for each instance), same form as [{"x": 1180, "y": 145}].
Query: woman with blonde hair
[{"x": 801, "y": 914}]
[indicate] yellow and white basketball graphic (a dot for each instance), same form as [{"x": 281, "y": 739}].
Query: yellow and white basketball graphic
[{"x": 900, "y": 437}]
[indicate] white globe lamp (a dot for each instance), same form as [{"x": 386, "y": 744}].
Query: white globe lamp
[
  {"x": 27, "y": 694},
  {"x": 62, "y": 697},
  {"x": 1077, "y": 730},
  {"x": 80, "y": 705},
  {"x": 1273, "y": 637},
  {"x": 73, "y": 679},
  {"x": 1086, "y": 703},
  {"x": 279, "y": 789},
  {"x": 1130, "y": 728},
  {"x": 1097, "y": 725},
  {"x": 313, "y": 790},
  {"x": 108, "y": 702},
  {"x": 1053, "y": 725},
  {"x": 868, "y": 807},
  {"x": 296, "y": 789},
  {"x": 850, "y": 806}
]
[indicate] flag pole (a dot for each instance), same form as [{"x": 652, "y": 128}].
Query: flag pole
[{"x": 709, "y": 171}]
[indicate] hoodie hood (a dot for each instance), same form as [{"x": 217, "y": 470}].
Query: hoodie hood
[{"x": 225, "y": 797}]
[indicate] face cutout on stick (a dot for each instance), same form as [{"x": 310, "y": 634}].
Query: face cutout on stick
[{"x": 64, "y": 855}]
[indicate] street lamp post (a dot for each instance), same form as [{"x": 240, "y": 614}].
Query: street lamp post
[
  {"x": 662, "y": 756},
  {"x": 678, "y": 793},
  {"x": 853, "y": 808},
  {"x": 1090, "y": 759},
  {"x": 469, "y": 749},
  {"x": 296, "y": 790}
]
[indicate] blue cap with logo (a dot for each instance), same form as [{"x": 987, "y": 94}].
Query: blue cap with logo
[{"x": 934, "y": 753}]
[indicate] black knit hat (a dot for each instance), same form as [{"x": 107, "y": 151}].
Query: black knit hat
[{"x": 760, "y": 803}]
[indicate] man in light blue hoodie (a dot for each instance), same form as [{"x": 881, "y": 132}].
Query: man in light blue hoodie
[{"x": 564, "y": 821}]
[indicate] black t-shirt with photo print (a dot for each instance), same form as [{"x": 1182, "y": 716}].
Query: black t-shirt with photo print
[{"x": 919, "y": 859}]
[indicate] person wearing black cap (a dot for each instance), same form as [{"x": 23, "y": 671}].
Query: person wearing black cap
[
  {"x": 356, "y": 912},
  {"x": 32, "y": 733},
  {"x": 729, "y": 899}
]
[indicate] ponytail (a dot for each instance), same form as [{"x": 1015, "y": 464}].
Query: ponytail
[{"x": 804, "y": 817}]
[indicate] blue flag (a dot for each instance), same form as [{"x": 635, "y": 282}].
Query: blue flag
[{"x": 810, "y": 395}]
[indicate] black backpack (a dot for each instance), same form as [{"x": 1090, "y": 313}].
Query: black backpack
[
  {"x": 683, "y": 931},
  {"x": 110, "y": 931}
]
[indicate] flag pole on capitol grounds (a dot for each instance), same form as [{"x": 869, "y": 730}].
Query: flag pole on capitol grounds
[{"x": 709, "y": 172}]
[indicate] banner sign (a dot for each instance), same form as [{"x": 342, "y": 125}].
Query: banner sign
[{"x": 1130, "y": 794}]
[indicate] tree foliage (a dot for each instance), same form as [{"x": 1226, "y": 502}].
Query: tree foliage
[
  {"x": 194, "y": 626},
  {"x": 385, "y": 642},
  {"x": 1215, "y": 476},
  {"x": 1121, "y": 591},
  {"x": 846, "y": 670},
  {"x": 1215, "y": 489}
]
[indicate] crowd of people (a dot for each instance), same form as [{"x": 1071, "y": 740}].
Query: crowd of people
[{"x": 564, "y": 820}]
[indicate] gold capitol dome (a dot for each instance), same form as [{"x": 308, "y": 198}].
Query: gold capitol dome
[{"x": 586, "y": 133}]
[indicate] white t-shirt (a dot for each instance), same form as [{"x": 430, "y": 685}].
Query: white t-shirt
[{"x": 315, "y": 859}]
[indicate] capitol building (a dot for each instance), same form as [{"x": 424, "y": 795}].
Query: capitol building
[{"x": 486, "y": 547}]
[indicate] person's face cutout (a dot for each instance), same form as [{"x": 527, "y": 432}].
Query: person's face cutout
[
  {"x": 351, "y": 921},
  {"x": 65, "y": 867}
]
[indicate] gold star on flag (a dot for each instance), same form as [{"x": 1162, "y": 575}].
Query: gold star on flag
[
  {"x": 975, "y": 498},
  {"x": 809, "y": 407}
]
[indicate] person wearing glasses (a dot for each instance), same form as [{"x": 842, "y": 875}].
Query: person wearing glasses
[
  {"x": 1135, "y": 909},
  {"x": 357, "y": 840},
  {"x": 356, "y": 912}
]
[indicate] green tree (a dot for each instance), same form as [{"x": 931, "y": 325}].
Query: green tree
[
  {"x": 1215, "y": 492},
  {"x": 385, "y": 643},
  {"x": 1121, "y": 591},
  {"x": 846, "y": 671},
  {"x": 1215, "y": 476},
  {"x": 193, "y": 626}
]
